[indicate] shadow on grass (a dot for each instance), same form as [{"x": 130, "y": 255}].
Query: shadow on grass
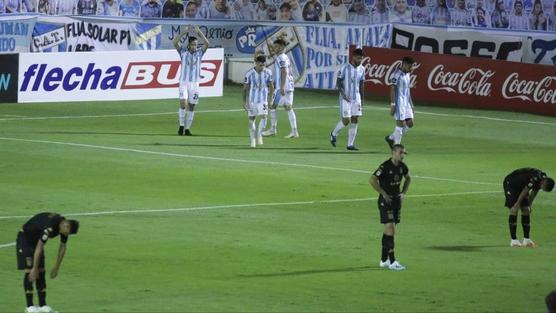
[
  {"x": 464, "y": 248},
  {"x": 312, "y": 272}
]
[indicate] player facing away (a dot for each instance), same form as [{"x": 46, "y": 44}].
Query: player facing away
[
  {"x": 401, "y": 105},
  {"x": 258, "y": 89},
  {"x": 386, "y": 181},
  {"x": 520, "y": 188},
  {"x": 30, "y": 253},
  {"x": 190, "y": 75},
  {"x": 350, "y": 86},
  {"x": 283, "y": 96}
]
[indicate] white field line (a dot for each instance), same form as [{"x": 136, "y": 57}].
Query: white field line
[
  {"x": 480, "y": 117},
  {"x": 237, "y": 206},
  {"x": 200, "y": 157}
]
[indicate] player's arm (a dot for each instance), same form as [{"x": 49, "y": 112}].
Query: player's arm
[
  {"x": 340, "y": 87},
  {"x": 59, "y": 258},
  {"x": 204, "y": 40},
  {"x": 406, "y": 183},
  {"x": 245, "y": 88},
  {"x": 36, "y": 261},
  {"x": 522, "y": 196},
  {"x": 283, "y": 73},
  {"x": 392, "y": 99},
  {"x": 362, "y": 90},
  {"x": 270, "y": 92},
  {"x": 532, "y": 196},
  {"x": 177, "y": 39},
  {"x": 375, "y": 183}
]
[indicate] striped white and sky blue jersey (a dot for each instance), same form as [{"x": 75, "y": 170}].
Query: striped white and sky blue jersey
[
  {"x": 351, "y": 78},
  {"x": 519, "y": 22},
  {"x": 258, "y": 85},
  {"x": 402, "y": 83},
  {"x": 282, "y": 61},
  {"x": 130, "y": 9},
  {"x": 190, "y": 64}
]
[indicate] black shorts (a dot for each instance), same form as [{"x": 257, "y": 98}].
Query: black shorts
[
  {"x": 25, "y": 253},
  {"x": 513, "y": 195},
  {"x": 390, "y": 213}
]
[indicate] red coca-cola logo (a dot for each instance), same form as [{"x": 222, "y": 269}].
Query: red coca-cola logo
[
  {"x": 530, "y": 90},
  {"x": 474, "y": 81},
  {"x": 380, "y": 74}
]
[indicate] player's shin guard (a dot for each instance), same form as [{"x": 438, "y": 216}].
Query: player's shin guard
[
  {"x": 273, "y": 119},
  {"x": 512, "y": 221},
  {"x": 28, "y": 287},
  {"x": 293, "y": 120},
  {"x": 41, "y": 288},
  {"x": 398, "y": 133},
  {"x": 526, "y": 224},
  {"x": 189, "y": 119},
  {"x": 181, "y": 116},
  {"x": 405, "y": 129},
  {"x": 352, "y": 134},
  {"x": 338, "y": 128},
  {"x": 388, "y": 244}
]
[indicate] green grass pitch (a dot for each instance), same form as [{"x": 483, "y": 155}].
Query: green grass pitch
[{"x": 215, "y": 226}]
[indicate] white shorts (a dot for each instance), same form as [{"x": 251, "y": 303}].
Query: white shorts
[
  {"x": 256, "y": 109},
  {"x": 286, "y": 100},
  {"x": 403, "y": 112},
  {"x": 349, "y": 109},
  {"x": 189, "y": 91}
]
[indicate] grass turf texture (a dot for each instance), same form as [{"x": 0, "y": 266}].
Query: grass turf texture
[{"x": 306, "y": 257}]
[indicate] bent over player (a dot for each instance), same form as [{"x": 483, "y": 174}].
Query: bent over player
[
  {"x": 30, "y": 253},
  {"x": 190, "y": 75},
  {"x": 520, "y": 188},
  {"x": 386, "y": 181}
]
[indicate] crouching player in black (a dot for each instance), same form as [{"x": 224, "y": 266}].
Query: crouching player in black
[
  {"x": 30, "y": 253},
  {"x": 520, "y": 188},
  {"x": 386, "y": 181}
]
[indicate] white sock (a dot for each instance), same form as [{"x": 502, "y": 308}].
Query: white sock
[
  {"x": 339, "y": 127},
  {"x": 398, "y": 133},
  {"x": 352, "y": 134},
  {"x": 189, "y": 119},
  {"x": 262, "y": 126},
  {"x": 181, "y": 116},
  {"x": 405, "y": 129},
  {"x": 252, "y": 129},
  {"x": 273, "y": 119},
  {"x": 293, "y": 120}
]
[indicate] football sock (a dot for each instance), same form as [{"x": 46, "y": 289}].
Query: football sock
[
  {"x": 512, "y": 220},
  {"x": 28, "y": 287},
  {"x": 391, "y": 248},
  {"x": 252, "y": 129},
  {"x": 398, "y": 132},
  {"x": 352, "y": 134},
  {"x": 262, "y": 125},
  {"x": 384, "y": 256},
  {"x": 338, "y": 128},
  {"x": 189, "y": 120},
  {"x": 405, "y": 129},
  {"x": 41, "y": 288},
  {"x": 525, "y": 223},
  {"x": 181, "y": 116},
  {"x": 293, "y": 120},
  {"x": 273, "y": 119}
]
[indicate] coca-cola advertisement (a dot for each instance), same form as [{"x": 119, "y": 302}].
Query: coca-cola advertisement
[{"x": 466, "y": 82}]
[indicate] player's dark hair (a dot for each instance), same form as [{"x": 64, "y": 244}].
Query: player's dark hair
[
  {"x": 480, "y": 9},
  {"x": 74, "y": 226},
  {"x": 408, "y": 60},
  {"x": 551, "y": 301},
  {"x": 398, "y": 146},
  {"x": 191, "y": 39},
  {"x": 285, "y": 5},
  {"x": 280, "y": 41},
  {"x": 549, "y": 184},
  {"x": 261, "y": 58},
  {"x": 358, "y": 52}
]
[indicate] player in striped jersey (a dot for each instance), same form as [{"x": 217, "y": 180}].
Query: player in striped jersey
[
  {"x": 350, "y": 86},
  {"x": 258, "y": 89},
  {"x": 284, "y": 90},
  {"x": 401, "y": 105},
  {"x": 190, "y": 75}
]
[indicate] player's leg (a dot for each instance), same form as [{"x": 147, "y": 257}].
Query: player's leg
[
  {"x": 181, "y": 110},
  {"x": 511, "y": 198},
  {"x": 395, "y": 206},
  {"x": 355, "y": 109},
  {"x": 345, "y": 115},
  {"x": 398, "y": 132},
  {"x": 288, "y": 104},
  {"x": 526, "y": 224},
  {"x": 252, "y": 131},
  {"x": 25, "y": 263},
  {"x": 387, "y": 233},
  {"x": 408, "y": 124},
  {"x": 192, "y": 101},
  {"x": 273, "y": 118},
  {"x": 262, "y": 123}
]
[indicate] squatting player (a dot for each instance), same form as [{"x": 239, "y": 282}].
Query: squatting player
[
  {"x": 283, "y": 79},
  {"x": 386, "y": 181},
  {"x": 401, "y": 105},
  {"x": 520, "y": 188},
  {"x": 350, "y": 86},
  {"x": 30, "y": 253},
  {"x": 190, "y": 75},
  {"x": 258, "y": 89}
]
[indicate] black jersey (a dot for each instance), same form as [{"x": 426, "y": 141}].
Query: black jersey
[
  {"x": 42, "y": 227},
  {"x": 390, "y": 176},
  {"x": 524, "y": 177}
]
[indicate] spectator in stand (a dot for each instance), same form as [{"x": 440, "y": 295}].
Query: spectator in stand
[
  {"x": 2, "y": 7},
  {"x": 87, "y": 7},
  {"x": 552, "y": 18},
  {"x": 243, "y": 10},
  {"x": 65, "y": 7},
  {"x": 499, "y": 16},
  {"x": 441, "y": 14},
  {"x": 421, "y": 13},
  {"x": 461, "y": 16},
  {"x": 380, "y": 13},
  {"x": 108, "y": 7},
  {"x": 261, "y": 13},
  {"x": 12, "y": 6},
  {"x": 537, "y": 20},
  {"x": 400, "y": 12},
  {"x": 479, "y": 18},
  {"x": 151, "y": 9},
  {"x": 219, "y": 9},
  {"x": 358, "y": 13},
  {"x": 336, "y": 12},
  {"x": 172, "y": 8},
  {"x": 272, "y": 12},
  {"x": 285, "y": 12},
  {"x": 517, "y": 19},
  {"x": 27, "y": 6},
  {"x": 130, "y": 8},
  {"x": 43, "y": 7},
  {"x": 313, "y": 11}
]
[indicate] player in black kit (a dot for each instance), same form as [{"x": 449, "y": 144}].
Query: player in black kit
[
  {"x": 386, "y": 181},
  {"x": 30, "y": 253},
  {"x": 520, "y": 188}
]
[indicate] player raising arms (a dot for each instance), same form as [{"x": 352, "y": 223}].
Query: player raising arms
[
  {"x": 350, "y": 86},
  {"x": 30, "y": 253},
  {"x": 401, "y": 105},
  {"x": 283, "y": 79},
  {"x": 520, "y": 188},
  {"x": 190, "y": 75},
  {"x": 258, "y": 89}
]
